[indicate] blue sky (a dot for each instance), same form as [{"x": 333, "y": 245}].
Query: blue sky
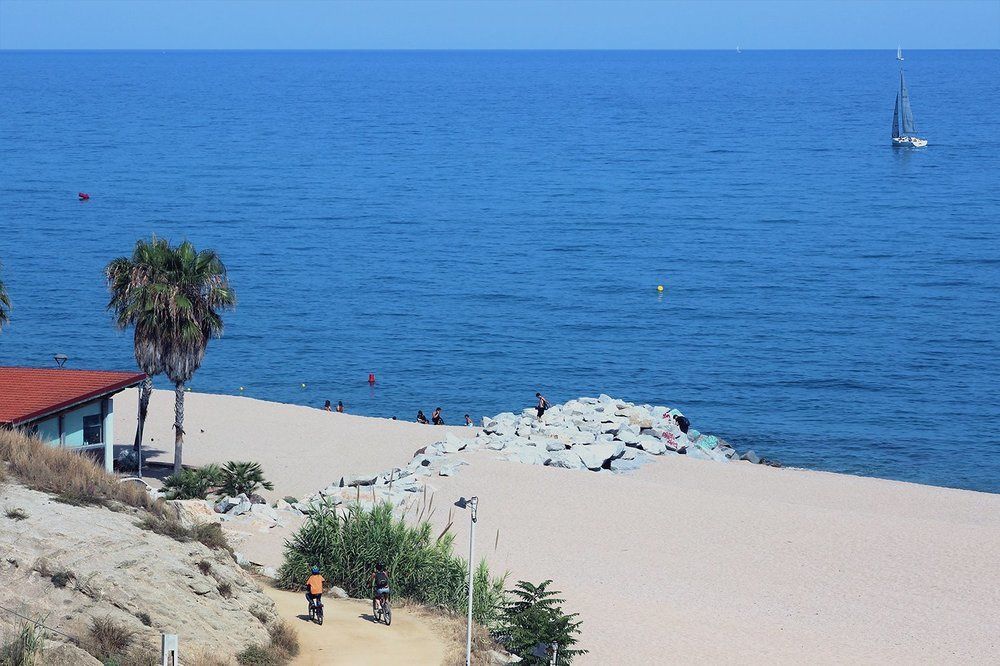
[{"x": 497, "y": 24}]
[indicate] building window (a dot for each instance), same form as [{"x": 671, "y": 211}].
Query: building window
[{"x": 93, "y": 430}]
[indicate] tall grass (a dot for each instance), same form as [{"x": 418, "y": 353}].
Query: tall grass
[
  {"x": 346, "y": 545},
  {"x": 66, "y": 474},
  {"x": 25, "y": 648}
]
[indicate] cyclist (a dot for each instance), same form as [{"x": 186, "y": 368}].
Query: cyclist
[
  {"x": 380, "y": 583},
  {"x": 314, "y": 588}
]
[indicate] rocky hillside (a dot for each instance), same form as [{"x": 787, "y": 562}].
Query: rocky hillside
[{"x": 67, "y": 565}]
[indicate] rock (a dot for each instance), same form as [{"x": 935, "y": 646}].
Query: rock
[
  {"x": 652, "y": 445},
  {"x": 338, "y": 593},
  {"x": 452, "y": 444},
  {"x": 269, "y": 572},
  {"x": 527, "y": 455},
  {"x": 595, "y": 455},
  {"x": 360, "y": 480},
  {"x": 697, "y": 454},
  {"x": 241, "y": 559},
  {"x": 550, "y": 444},
  {"x": 200, "y": 587},
  {"x": 239, "y": 509},
  {"x": 750, "y": 456},
  {"x": 623, "y": 465},
  {"x": 264, "y": 511},
  {"x": 567, "y": 459},
  {"x": 628, "y": 434},
  {"x": 191, "y": 512}
]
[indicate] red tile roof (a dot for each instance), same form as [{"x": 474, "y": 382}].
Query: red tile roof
[{"x": 27, "y": 394}]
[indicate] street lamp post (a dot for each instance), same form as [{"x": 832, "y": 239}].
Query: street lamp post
[{"x": 473, "y": 504}]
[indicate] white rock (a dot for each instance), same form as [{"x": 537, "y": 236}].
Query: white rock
[
  {"x": 567, "y": 459},
  {"x": 652, "y": 445},
  {"x": 595, "y": 455},
  {"x": 452, "y": 444},
  {"x": 264, "y": 511}
]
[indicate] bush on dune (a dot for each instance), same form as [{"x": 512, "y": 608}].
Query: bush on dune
[
  {"x": 70, "y": 476},
  {"x": 346, "y": 545}
]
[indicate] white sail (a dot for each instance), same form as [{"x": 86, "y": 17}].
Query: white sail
[{"x": 899, "y": 53}]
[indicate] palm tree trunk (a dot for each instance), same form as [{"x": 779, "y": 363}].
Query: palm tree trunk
[
  {"x": 178, "y": 425},
  {"x": 144, "y": 391}
]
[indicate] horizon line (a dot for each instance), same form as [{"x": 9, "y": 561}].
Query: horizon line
[{"x": 466, "y": 50}]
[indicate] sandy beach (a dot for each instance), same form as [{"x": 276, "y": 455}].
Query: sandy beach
[{"x": 683, "y": 560}]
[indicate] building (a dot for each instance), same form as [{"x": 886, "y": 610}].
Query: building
[{"x": 70, "y": 408}]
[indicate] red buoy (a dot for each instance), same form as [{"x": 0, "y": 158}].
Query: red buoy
[
  {"x": 371, "y": 377},
  {"x": 83, "y": 196}
]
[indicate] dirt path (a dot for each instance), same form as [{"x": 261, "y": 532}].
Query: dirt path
[{"x": 349, "y": 636}]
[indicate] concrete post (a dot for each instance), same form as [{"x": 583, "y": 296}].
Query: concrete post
[{"x": 168, "y": 648}]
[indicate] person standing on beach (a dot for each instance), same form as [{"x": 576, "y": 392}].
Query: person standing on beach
[
  {"x": 468, "y": 421},
  {"x": 340, "y": 406},
  {"x": 542, "y": 405},
  {"x": 436, "y": 417},
  {"x": 421, "y": 418},
  {"x": 327, "y": 406}
]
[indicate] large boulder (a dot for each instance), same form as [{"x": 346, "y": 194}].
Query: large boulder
[
  {"x": 595, "y": 455},
  {"x": 652, "y": 445},
  {"x": 452, "y": 444},
  {"x": 567, "y": 459}
]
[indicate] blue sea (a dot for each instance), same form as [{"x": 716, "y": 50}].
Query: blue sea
[{"x": 473, "y": 227}]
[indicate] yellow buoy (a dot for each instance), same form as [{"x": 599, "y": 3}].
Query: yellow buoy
[{"x": 659, "y": 287}]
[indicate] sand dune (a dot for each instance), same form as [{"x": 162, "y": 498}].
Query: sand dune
[{"x": 685, "y": 560}]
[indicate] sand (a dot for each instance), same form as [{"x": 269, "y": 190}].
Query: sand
[{"x": 684, "y": 560}]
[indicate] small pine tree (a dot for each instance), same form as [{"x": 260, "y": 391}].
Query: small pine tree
[{"x": 533, "y": 618}]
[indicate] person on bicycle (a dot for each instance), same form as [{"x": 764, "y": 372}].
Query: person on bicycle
[
  {"x": 314, "y": 588},
  {"x": 380, "y": 583}
]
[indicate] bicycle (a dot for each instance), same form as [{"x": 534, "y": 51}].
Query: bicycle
[
  {"x": 316, "y": 611},
  {"x": 382, "y": 610}
]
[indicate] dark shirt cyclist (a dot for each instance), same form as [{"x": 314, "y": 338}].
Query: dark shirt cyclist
[{"x": 380, "y": 583}]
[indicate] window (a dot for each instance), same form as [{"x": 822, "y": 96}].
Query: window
[{"x": 93, "y": 430}]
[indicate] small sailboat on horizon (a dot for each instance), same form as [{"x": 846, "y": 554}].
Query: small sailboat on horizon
[
  {"x": 899, "y": 53},
  {"x": 903, "y": 130}
]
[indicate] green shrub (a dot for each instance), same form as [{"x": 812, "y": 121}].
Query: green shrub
[
  {"x": 534, "y": 617},
  {"x": 242, "y": 477},
  {"x": 62, "y": 578},
  {"x": 25, "y": 648},
  {"x": 262, "y": 655},
  {"x": 192, "y": 483},
  {"x": 421, "y": 566}
]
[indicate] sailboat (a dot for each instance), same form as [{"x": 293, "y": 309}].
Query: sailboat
[
  {"x": 738, "y": 49},
  {"x": 902, "y": 119},
  {"x": 899, "y": 53}
]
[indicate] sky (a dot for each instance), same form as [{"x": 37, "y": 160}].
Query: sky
[{"x": 499, "y": 24}]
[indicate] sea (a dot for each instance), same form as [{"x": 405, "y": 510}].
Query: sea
[{"x": 473, "y": 227}]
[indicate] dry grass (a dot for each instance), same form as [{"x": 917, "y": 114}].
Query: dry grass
[
  {"x": 109, "y": 639},
  {"x": 71, "y": 477},
  {"x": 16, "y": 514},
  {"x": 200, "y": 656},
  {"x": 209, "y": 534},
  {"x": 284, "y": 645},
  {"x": 283, "y": 636},
  {"x": 452, "y": 628}
]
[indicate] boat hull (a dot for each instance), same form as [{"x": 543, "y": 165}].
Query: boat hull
[{"x": 909, "y": 142}]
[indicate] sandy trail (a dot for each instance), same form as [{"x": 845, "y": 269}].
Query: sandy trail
[{"x": 349, "y": 636}]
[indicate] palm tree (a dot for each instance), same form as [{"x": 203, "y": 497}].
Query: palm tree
[
  {"x": 172, "y": 296},
  {"x": 4, "y": 305}
]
